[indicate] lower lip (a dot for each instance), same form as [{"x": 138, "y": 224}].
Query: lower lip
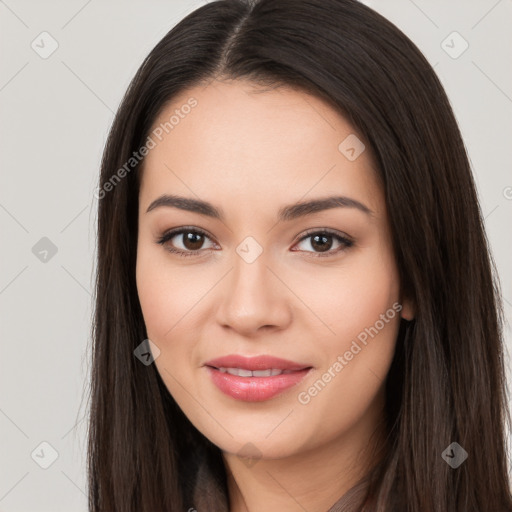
[{"x": 255, "y": 389}]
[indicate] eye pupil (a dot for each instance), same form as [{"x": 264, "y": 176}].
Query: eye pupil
[
  {"x": 193, "y": 241},
  {"x": 324, "y": 238}
]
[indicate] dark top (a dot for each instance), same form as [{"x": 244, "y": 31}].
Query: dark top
[{"x": 352, "y": 499}]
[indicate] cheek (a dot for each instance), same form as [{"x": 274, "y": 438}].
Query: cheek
[
  {"x": 350, "y": 297},
  {"x": 154, "y": 297},
  {"x": 167, "y": 293},
  {"x": 360, "y": 305}
]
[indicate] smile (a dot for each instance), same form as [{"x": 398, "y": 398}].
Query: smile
[
  {"x": 256, "y": 378},
  {"x": 242, "y": 372},
  {"x": 256, "y": 385}
]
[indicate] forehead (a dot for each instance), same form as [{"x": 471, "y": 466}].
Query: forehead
[{"x": 260, "y": 146}]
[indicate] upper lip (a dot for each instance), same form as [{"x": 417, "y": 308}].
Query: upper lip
[{"x": 262, "y": 362}]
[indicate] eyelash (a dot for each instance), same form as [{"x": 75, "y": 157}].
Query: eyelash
[{"x": 169, "y": 235}]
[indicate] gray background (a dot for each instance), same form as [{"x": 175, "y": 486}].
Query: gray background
[{"x": 55, "y": 115}]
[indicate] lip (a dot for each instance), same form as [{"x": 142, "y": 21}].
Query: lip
[
  {"x": 255, "y": 363},
  {"x": 255, "y": 389}
]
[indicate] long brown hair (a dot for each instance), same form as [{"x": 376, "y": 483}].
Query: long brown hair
[{"x": 447, "y": 380}]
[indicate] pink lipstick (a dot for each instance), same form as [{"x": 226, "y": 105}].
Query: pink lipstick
[{"x": 255, "y": 379}]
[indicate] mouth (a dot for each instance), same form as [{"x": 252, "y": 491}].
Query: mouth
[
  {"x": 255, "y": 379},
  {"x": 242, "y": 372}
]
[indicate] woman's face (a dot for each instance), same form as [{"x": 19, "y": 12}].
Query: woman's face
[{"x": 259, "y": 275}]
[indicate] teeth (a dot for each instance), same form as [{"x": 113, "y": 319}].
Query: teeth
[
  {"x": 240, "y": 372},
  {"x": 265, "y": 373}
]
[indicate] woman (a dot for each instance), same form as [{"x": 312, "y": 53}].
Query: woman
[{"x": 295, "y": 301}]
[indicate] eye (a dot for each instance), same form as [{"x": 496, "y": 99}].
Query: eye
[
  {"x": 191, "y": 241},
  {"x": 323, "y": 241}
]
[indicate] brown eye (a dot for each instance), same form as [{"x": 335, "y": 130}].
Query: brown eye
[
  {"x": 323, "y": 241},
  {"x": 184, "y": 241},
  {"x": 192, "y": 240}
]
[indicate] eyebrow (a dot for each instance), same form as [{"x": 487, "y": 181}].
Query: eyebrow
[{"x": 286, "y": 213}]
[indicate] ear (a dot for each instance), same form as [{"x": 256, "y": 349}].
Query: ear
[{"x": 408, "y": 309}]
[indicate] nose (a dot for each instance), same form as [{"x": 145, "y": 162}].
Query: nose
[{"x": 253, "y": 299}]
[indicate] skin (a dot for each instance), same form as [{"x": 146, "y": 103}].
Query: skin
[{"x": 250, "y": 152}]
